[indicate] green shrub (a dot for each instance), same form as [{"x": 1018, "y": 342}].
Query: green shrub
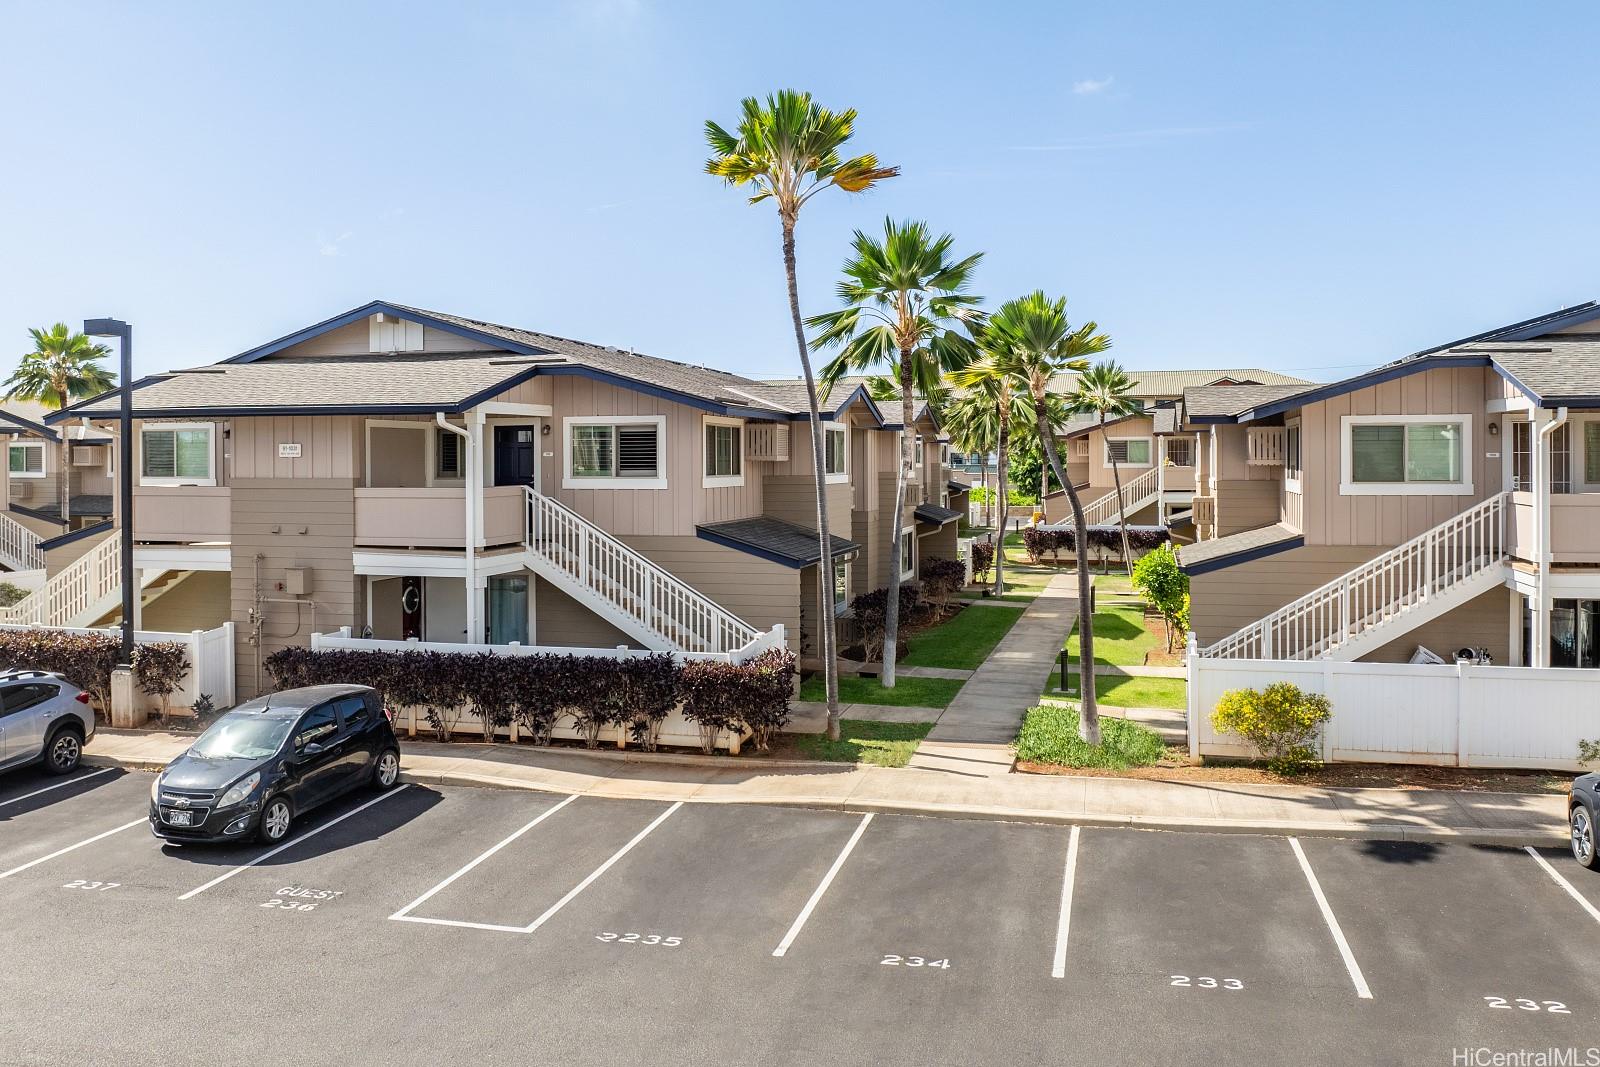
[
  {"x": 941, "y": 579},
  {"x": 11, "y": 593},
  {"x": 87, "y": 659},
  {"x": 870, "y": 611},
  {"x": 1280, "y": 722},
  {"x": 1050, "y": 735},
  {"x": 1157, "y": 576},
  {"x": 1589, "y": 751},
  {"x": 982, "y": 560}
]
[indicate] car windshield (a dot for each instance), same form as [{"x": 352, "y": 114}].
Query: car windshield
[{"x": 242, "y": 737}]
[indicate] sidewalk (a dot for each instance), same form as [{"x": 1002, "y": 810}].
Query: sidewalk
[
  {"x": 1392, "y": 814},
  {"x": 973, "y": 736}
]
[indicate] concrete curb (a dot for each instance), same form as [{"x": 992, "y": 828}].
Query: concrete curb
[{"x": 1547, "y": 838}]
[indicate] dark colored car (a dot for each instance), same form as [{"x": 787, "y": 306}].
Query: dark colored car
[
  {"x": 273, "y": 758},
  {"x": 1581, "y": 815}
]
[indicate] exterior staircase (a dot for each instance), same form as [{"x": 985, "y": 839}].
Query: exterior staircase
[
  {"x": 19, "y": 546},
  {"x": 1384, "y": 598},
  {"x": 77, "y": 595},
  {"x": 1138, "y": 494},
  {"x": 625, "y": 588}
]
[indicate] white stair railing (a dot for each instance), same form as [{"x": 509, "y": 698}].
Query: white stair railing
[
  {"x": 85, "y": 582},
  {"x": 19, "y": 545},
  {"x": 1425, "y": 567},
  {"x": 1136, "y": 495},
  {"x": 593, "y": 561}
]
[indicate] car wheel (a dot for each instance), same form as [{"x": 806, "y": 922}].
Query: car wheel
[
  {"x": 1583, "y": 836},
  {"x": 63, "y": 750},
  {"x": 275, "y": 820},
  {"x": 386, "y": 771}
]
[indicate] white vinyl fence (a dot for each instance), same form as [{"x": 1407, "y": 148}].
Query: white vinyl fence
[
  {"x": 211, "y": 662},
  {"x": 1461, "y": 716},
  {"x": 675, "y": 729}
]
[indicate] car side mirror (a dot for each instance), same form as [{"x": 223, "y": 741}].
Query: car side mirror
[{"x": 312, "y": 749}]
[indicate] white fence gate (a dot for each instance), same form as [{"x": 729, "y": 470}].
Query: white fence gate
[{"x": 1460, "y": 716}]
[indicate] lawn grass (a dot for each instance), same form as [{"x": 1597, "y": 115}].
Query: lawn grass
[
  {"x": 907, "y": 692},
  {"x": 963, "y": 642},
  {"x": 1050, "y": 735},
  {"x": 1120, "y": 637},
  {"x": 882, "y": 744},
  {"x": 1121, "y": 691}
]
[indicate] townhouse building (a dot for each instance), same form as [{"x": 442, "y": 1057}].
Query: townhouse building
[
  {"x": 409, "y": 474},
  {"x": 53, "y": 494}
]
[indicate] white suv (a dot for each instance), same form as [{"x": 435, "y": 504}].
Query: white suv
[{"x": 43, "y": 717}]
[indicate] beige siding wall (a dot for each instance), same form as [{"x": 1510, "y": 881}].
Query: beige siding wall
[
  {"x": 1482, "y": 622},
  {"x": 1247, "y": 505},
  {"x": 325, "y": 509},
  {"x": 870, "y": 569},
  {"x": 1226, "y": 600},
  {"x": 356, "y": 340},
  {"x": 58, "y": 559},
  {"x": 760, "y": 592},
  {"x": 562, "y": 621},
  {"x": 1100, "y": 477},
  {"x": 201, "y": 601},
  {"x": 329, "y": 447},
  {"x": 793, "y": 498},
  {"x": 1332, "y": 519},
  {"x": 941, "y": 542}
]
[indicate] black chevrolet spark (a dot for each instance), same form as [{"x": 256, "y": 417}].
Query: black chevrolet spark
[{"x": 271, "y": 759}]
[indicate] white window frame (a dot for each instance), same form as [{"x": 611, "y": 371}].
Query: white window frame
[
  {"x": 908, "y": 553},
  {"x": 16, "y": 475},
  {"x": 944, "y": 454},
  {"x": 1166, "y": 451},
  {"x": 720, "y": 481},
  {"x": 840, "y": 607},
  {"x": 1348, "y": 487},
  {"x": 918, "y": 451},
  {"x": 211, "y": 453},
  {"x": 1294, "y": 465},
  {"x": 1578, "y": 443},
  {"x": 569, "y": 481},
  {"x": 836, "y": 477},
  {"x": 1150, "y": 445}
]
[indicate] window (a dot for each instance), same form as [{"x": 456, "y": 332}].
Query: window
[
  {"x": 616, "y": 453},
  {"x": 1291, "y": 455},
  {"x": 1522, "y": 438},
  {"x": 447, "y": 455},
  {"x": 1180, "y": 451},
  {"x": 724, "y": 452},
  {"x": 917, "y": 451},
  {"x": 22, "y": 697},
  {"x": 1591, "y": 452},
  {"x": 317, "y": 725},
  {"x": 841, "y": 586},
  {"x": 26, "y": 459},
  {"x": 352, "y": 711},
  {"x": 908, "y": 554},
  {"x": 944, "y": 454},
  {"x": 834, "y": 462},
  {"x": 1134, "y": 451},
  {"x": 176, "y": 453},
  {"x": 1405, "y": 455}
]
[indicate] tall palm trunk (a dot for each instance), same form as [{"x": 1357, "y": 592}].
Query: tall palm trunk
[
  {"x": 1122, "y": 514},
  {"x": 891, "y": 610},
  {"x": 830, "y": 659},
  {"x": 1088, "y": 709},
  {"x": 1003, "y": 490},
  {"x": 988, "y": 495}
]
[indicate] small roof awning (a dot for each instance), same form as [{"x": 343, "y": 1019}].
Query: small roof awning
[
  {"x": 958, "y": 487},
  {"x": 934, "y": 515},
  {"x": 785, "y": 543},
  {"x": 1205, "y": 556}
]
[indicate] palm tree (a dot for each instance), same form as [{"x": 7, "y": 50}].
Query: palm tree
[
  {"x": 62, "y": 367},
  {"x": 788, "y": 150},
  {"x": 989, "y": 387},
  {"x": 1038, "y": 343},
  {"x": 1106, "y": 390},
  {"x": 971, "y": 418},
  {"x": 901, "y": 297}
]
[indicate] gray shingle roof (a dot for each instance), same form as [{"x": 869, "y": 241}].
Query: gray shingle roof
[
  {"x": 935, "y": 514},
  {"x": 959, "y": 487},
  {"x": 1165, "y": 418},
  {"x": 1264, "y": 539},
  {"x": 782, "y": 542},
  {"x": 1223, "y": 400},
  {"x": 1557, "y": 368},
  {"x": 1148, "y": 384}
]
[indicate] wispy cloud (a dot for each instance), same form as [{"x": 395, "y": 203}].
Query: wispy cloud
[
  {"x": 1093, "y": 86},
  {"x": 1131, "y": 138},
  {"x": 334, "y": 247}
]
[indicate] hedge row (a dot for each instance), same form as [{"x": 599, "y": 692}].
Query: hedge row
[
  {"x": 1107, "y": 540},
  {"x": 536, "y": 692},
  {"x": 87, "y": 660}
]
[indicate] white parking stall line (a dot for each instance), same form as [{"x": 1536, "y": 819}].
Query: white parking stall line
[
  {"x": 404, "y": 914},
  {"x": 71, "y": 848},
  {"x": 1350, "y": 964},
  {"x": 1572, "y": 890},
  {"x": 822, "y": 887},
  {"x": 1058, "y": 965},
  {"x": 58, "y": 785},
  {"x": 598, "y": 871},
  {"x": 293, "y": 841}
]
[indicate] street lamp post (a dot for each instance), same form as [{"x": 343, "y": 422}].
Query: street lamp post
[{"x": 122, "y": 330}]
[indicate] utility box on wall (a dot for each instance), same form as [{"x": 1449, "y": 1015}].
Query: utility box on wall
[{"x": 297, "y": 581}]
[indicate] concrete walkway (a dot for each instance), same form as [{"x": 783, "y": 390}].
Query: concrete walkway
[
  {"x": 973, "y": 737},
  {"x": 1388, "y": 814}
]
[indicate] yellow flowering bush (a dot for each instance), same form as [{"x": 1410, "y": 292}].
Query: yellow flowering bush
[{"x": 1281, "y": 721}]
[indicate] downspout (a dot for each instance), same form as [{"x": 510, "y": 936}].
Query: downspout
[
  {"x": 1211, "y": 476},
  {"x": 1541, "y": 517},
  {"x": 474, "y": 632}
]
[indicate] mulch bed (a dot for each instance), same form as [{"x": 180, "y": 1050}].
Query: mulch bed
[{"x": 1333, "y": 775}]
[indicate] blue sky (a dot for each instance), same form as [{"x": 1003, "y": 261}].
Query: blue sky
[{"x": 1296, "y": 186}]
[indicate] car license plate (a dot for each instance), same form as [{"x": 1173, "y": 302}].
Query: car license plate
[{"x": 180, "y": 818}]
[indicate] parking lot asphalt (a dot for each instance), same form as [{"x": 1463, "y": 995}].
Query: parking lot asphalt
[{"x": 471, "y": 925}]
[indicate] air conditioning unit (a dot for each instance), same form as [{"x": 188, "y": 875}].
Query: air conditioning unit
[
  {"x": 21, "y": 490},
  {"x": 87, "y": 456}
]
